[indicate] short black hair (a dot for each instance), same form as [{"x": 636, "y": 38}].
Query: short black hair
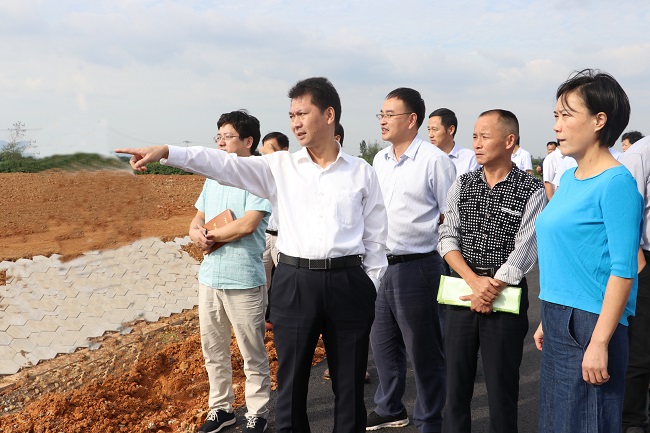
[
  {"x": 600, "y": 92},
  {"x": 447, "y": 118},
  {"x": 632, "y": 136},
  {"x": 322, "y": 92},
  {"x": 338, "y": 130},
  {"x": 245, "y": 125},
  {"x": 554, "y": 143},
  {"x": 508, "y": 121},
  {"x": 412, "y": 100},
  {"x": 283, "y": 140}
]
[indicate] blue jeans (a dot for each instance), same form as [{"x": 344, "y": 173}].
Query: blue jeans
[
  {"x": 567, "y": 403},
  {"x": 407, "y": 324}
]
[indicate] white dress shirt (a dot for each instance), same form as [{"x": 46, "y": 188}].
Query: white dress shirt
[
  {"x": 463, "y": 159},
  {"x": 522, "y": 159},
  {"x": 415, "y": 192},
  {"x": 551, "y": 165},
  {"x": 322, "y": 212},
  {"x": 637, "y": 159}
]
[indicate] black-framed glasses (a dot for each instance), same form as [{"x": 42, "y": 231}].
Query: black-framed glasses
[
  {"x": 227, "y": 137},
  {"x": 389, "y": 116}
]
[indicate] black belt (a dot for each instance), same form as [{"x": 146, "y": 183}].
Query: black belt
[
  {"x": 321, "y": 264},
  {"x": 392, "y": 260},
  {"x": 484, "y": 271},
  {"x": 272, "y": 232}
]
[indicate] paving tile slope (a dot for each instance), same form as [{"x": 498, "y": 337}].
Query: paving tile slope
[{"x": 48, "y": 307}]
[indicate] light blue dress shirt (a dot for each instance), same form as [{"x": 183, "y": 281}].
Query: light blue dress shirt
[
  {"x": 237, "y": 264},
  {"x": 415, "y": 194}
]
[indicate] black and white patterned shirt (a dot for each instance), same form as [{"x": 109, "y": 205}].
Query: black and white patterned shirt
[{"x": 494, "y": 227}]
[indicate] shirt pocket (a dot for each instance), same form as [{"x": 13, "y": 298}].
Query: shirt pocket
[{"x": 348, "y": 208}]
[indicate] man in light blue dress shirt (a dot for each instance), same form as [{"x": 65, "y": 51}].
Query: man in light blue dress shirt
[{"x": 414, "y": 176}]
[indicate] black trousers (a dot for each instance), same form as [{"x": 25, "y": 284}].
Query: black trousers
[
  {"x": 340, "y": 305},
  {"x": 500, "y": 338},
  {"x": 637, "y": 377}
]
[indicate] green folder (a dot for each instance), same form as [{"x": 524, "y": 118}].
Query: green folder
[{"x": 452, "y": 288}]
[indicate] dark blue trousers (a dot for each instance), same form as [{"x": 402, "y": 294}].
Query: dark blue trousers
[
  {"x": 407, "y": 324},
  {"x": 339, "y": 304}
]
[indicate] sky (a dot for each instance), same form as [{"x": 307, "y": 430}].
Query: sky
[{"x": 91, "y": 76}]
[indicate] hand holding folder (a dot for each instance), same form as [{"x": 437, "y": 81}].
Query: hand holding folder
[
  {"x": 217, "y": 222},
  {"x": 452, "y": 288}
]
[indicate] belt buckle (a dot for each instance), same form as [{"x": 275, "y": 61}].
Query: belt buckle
[{"x": 320, "y": 264}]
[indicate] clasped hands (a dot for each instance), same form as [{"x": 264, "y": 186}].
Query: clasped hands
[
  {"x": 202, "y": 238},
  {"x": 484, "y": 291}
]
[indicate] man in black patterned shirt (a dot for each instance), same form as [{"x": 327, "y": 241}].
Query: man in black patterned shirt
[{"x": 488, "y": 239}]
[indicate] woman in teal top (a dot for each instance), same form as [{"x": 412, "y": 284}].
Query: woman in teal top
[{"x": 588, "y": 238}]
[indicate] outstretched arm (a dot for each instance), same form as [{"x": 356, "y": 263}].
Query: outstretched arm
[{"x": 144, "y": 155}]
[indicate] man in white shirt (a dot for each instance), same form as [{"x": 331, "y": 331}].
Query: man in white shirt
[
  {"x": 332, "y": 236},
  {"x": 522, "y": 158},
  {"x": 414, "y": 177},
  {"x": 550, "y": 167},
  {"x": 272, "y": 142},
  {"x": 442, "y": 130},
  {"x": 637, "y": 377}
]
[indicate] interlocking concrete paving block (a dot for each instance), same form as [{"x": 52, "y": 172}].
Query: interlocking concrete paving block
[
  {"x": 44, "y": 353},
  {"x": 45, "y": 339},
  {"x": 173, "y": 308},
  {"x": 95, "y": 309},
  {"x": 3, "y": 325},
  {"x": 67, "y": 310},
  {"x": 116, "y": 317},
  {"x": 95, "y": 330},
  {"x": 72, "y": 324},
  {"x": 8, "y": 366},
  {"x": 150, "y": 316},
  {"x": 67, "y": 337},
  {"x": 22, "y": 345},
  {"x": 45, "y": 324},
  {"x": 14, "y": 319},
  {"x": 18, "y": 331},
  {"x": 5, "y": 339}
]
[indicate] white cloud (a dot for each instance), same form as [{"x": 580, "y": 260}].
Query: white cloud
[{"x": 162, "y": 71}]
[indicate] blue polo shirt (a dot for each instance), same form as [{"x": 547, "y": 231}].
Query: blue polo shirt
[{"x": 237, "y": 264}]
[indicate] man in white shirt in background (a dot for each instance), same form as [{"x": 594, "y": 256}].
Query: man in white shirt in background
[
  {"x": 522, "y": 158},
  {"x": 332, "y": 237},
  {"x": 272, "y": 142},
  {"x": 550, "y": 167},
  {"x": 442, "y": 128}
]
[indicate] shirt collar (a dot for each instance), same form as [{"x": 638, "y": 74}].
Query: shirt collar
[
  {"x": 303, "y": 156},
  {"x": 509, "y": 177},
  {"x": 454, "y": 151},
  {"x": 411, "y": 151}
]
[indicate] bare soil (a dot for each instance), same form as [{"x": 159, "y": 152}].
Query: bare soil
[{"x": 150, "y": 380}]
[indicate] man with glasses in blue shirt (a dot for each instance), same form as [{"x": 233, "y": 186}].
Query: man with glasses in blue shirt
[{"x": 414, "y": 176}]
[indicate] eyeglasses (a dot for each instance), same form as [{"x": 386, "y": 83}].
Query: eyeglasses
[
  {"x": 390, "y": 115},
  {"x": 219, "y": 138}
]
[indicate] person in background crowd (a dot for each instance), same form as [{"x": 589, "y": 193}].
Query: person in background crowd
[
  {"x": 442, "y": 130},
  {"x": 629, "y": 138},
  {"x": 522, "y": 158},
  {"x": 637, "y": 378},
  {"x": 272, "y": 142}
]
